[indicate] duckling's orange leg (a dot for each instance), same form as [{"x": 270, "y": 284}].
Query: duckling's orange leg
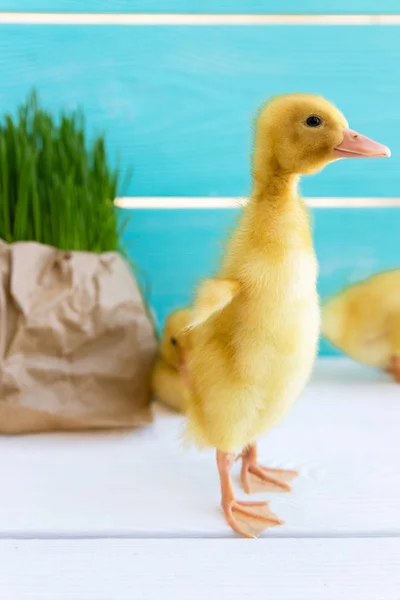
[
  {"x": 256, "y": 478},
  {"x": 394, "y": 367},
  {"x": 246, "y": 518}
]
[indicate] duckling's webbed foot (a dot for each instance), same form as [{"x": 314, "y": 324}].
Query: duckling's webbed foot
[
  {"x": 394, "y": 367},
  {"x": 248, "y": 519},
  {"x": 256, "y": 478}
]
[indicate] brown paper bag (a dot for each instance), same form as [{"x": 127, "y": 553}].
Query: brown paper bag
[{"x": 76, "y": 344}]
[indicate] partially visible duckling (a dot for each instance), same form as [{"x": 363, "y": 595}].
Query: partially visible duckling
[
  {"x": 167, "y": 383},
  {"x": 169, "y": 373},
  {"x": 364, "y": 321}
]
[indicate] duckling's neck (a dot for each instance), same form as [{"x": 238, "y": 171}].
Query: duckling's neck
[
  {"x": 274, "y": 205},
  {"x": 273, "y": 184},
  {"x": 273, "y": 222}
]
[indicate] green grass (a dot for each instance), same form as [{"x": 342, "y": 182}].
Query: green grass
[{"x": 55, "y": 188}]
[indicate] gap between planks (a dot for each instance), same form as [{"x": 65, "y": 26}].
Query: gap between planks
[
  {"x": 154, "y": 535},
  {"x": 188, "y": 202},
  {"x": 15, "y": 18}
]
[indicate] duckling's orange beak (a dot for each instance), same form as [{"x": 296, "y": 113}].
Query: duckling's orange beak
[{"x": 355, "y": 145}]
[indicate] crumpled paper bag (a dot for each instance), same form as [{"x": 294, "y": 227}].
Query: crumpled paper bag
[{"x": 76, "y": 343}]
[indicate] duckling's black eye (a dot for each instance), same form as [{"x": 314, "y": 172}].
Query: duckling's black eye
[
  {"x": 174, "y": 341},
  {"x": 314, "y": 121}
]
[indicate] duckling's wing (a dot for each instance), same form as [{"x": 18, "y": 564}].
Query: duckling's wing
[{"x": 212, "y": 296}]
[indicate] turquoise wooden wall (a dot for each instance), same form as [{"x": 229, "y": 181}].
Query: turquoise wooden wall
[{"x": 177, "y": 102}]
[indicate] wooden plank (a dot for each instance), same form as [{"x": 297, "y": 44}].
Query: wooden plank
[
  {"x": 176, "y": 248},
  {"x": 178, "y": 102},
  {"x": 204, "y": 6},
  {"x": 210, "y": 202},
  {"x": 342, "y": 437},
  {"x": 168, "y": 19},
  {"x": 198, "y": 569}
]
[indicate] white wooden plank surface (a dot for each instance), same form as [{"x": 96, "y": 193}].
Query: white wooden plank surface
[
  {"x": 343, "y": 437},
  {"x": 200, "y": 569}
]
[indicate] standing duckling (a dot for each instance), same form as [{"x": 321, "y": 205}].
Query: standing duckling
[
  {"x": 250, "y": 359},
  {"x": 364, "y": 321}
]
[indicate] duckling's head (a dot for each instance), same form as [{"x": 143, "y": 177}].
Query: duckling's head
[
  {"x": 174, "y": 338},
  {"x": 301, "y": 133}
]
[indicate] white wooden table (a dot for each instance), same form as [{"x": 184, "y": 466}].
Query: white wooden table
[{"x": 134, "y": 516}]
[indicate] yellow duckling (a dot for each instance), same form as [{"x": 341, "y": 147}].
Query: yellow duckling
[
  {"x": 252, "y": 354},
  {"x": 168, "y": 377},
  {"x": 167, "y": 384},
  {"x": 364, "y": 321}
]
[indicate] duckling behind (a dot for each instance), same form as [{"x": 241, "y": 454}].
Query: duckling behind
[
  {"x": 364, "y": 321},
  {"x": 166, "y": 382}
]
